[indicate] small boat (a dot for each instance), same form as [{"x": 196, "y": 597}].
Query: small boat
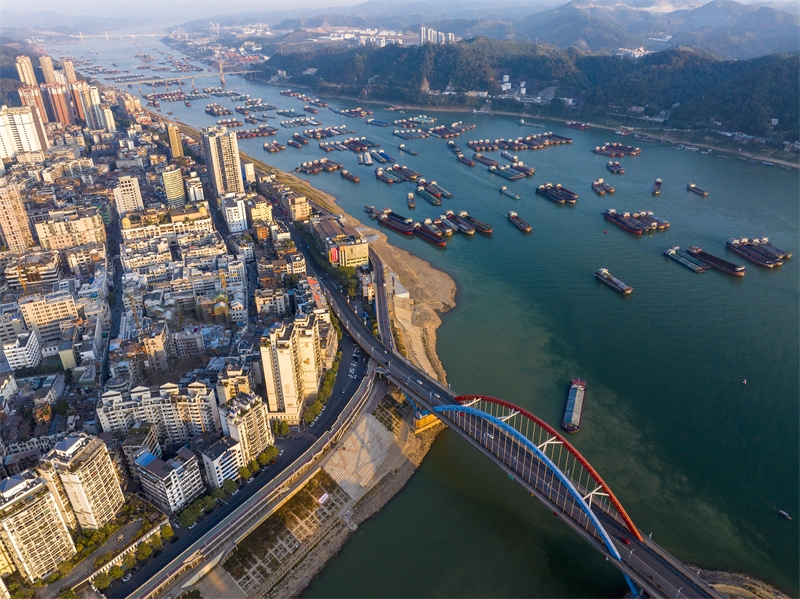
[
  {"x": 597, "y": 187},
  {"x": 657, "y": 187},
  {"x": 349, "y": 176},
  {"x": 188, "y": 104},
  {"x": 785, "y": 515},
  {"x": 695, "y": 189},
  {"x": 412, "y": 202},
  {"x": 606, "y": 277},
  {"x": 573, "y": 412}
]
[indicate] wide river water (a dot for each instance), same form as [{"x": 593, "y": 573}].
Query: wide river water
[{"x": 699, "y": 459}]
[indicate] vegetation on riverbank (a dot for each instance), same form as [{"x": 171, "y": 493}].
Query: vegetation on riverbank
[{"x": 694, "y": 88}]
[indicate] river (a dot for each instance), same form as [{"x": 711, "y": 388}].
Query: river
[{"x": 698, "y": 459}]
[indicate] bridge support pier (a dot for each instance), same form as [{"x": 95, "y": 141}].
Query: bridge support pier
[{"x": 636, "y": 592}]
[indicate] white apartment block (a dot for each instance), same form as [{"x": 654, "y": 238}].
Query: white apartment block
[
  {"x": 71, "y": 227},
  {"x": 33, "y": 535},
  {"x": 179, "y": 415},
  {"x": 194, "y": 188},
  {"x": 245, "y": 419},
  {"x": 173, "y": 186},
  {"x": 127, "y": 195},
  {"x": 271, "y": 301},
  {"x": 235, "y": 213},
  {"x": 171, "y": 485},
  {"x": 222, "y": 461},
  {"x": 221, "y": 151},
  {"x": 80, "y": 468},
  {"x": 21, "y": 131},
  {"x": 24, "y": 352},
  {"x": 44, "y": 314}
]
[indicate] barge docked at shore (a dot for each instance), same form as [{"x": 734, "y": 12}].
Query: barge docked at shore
[
  {"x": 478, "y": 225},
  {"x": 573, "y": 412}
]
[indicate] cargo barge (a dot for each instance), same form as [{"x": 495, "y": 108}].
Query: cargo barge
[
  {"x": 463, "y": 225},
  {"x": 446, "y": 225},
  {"x": 718, "y": 263},
  {"x": 484, "y": 159},
  {"x": 382, "y": 176},
  {"x": 577, "y": 125},
  {"x": 673, "y": 253},
  {"x": 435, "y": 229},
  {"x": 695, "y": 189},
  {"x": 435, "y": 188},
  {"x": 409, "y": 151},
  {"x": 597, "y": 187},
  {"x": 400, "y": 227},
  {"x": 747, "y": 250},
  {"x": 273, "y": 147},
  {"x": 616, "y": 168},
  {"x": 451, "y": 145},
  {"x": 526, "y": 170},
  {"x": 412, "y": 203},
  {"x": 506, "y": 173},
  {"x": 518, "y": 222},
  {"x": 378, "y": 157},
  {"x": 463, "y": 159},
  {"x": 478, "y": 225},
  {"x": 606, "y": 277},
  {"x": 349, "y": 176},
  {"x": 377, "y": 123},
  {"x": 505, "y": 191},
  {"x": 657, "y": 187},
  {"x": 429, "y": 236},
  {"x": 623, "y": 221},
  {"x": 573, "y": 412},
  {"x": 770, "y": 250},
  {"x": 509, "y": 156},
  {"x": 426, "y": 195}
]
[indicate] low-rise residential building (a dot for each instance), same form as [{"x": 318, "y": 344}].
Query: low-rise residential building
[
  {"x": 187, "y": 344},
  {"x": 147, "y": 224},
  {"x": 233, "y": 209},
  {"x": 273, "y": 302},
  {"x": 71, "y": 227},
  {"x": 171, "y": 485},
  {"x": 140, "y": 438}
]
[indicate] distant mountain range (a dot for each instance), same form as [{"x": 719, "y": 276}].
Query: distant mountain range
[{"x": 724, "y": 27}]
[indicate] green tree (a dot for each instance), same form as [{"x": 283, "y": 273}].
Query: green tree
[
  {"x": 102, "y": 581},
  {"x": 229, "y": 486},
  {"x": 129, "y": 561},
  {"x": 116, "y": 572},
  {"x": 166, "y": 532},
  {"x": 218, "y": 493},
  {"x": 188, "y": 516},
  {"x": 269, "y": 454},
  {"x": 253, "y": 467},
  {"x": 245, "y": 473},
  {"x": 155, "y": 542},
  {"x": 143, "y": 552},
  {"x": 67, "y": 593},
  {"x": 208, "y": 502}
]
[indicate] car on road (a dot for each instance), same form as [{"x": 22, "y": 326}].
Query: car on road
[
  {"x": 192, "y": 525},
  {"x": 174, "y": 540},
  {"x": 235, "y": 492},
  {"x": 437, "y": 396},
  {"x": 625, "y": 540},
  {"x": 281, "y": 453},
  {"x": 250, "y": 479},
  {"x": 488, "y": 435},
  {"x": 127, "y": 577},
  {"x": 419, "y": 381},
  {"x": 157, "y": 553}
]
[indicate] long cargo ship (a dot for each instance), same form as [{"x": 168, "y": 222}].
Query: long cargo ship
[
  {"x": 426, "y": 195},
  {"x": 526, "y": 170},
  {"x": 429, "y": 236},
  {"x": 623, "y": 221},
  {"x": 435, "y": 189},
  {"x": 451, "y": 145},
  {"x": 606, "y": 277},
  {"x": 463, "y": 225},
  {"x": 616, "y": 168},
  {"x": 506, "y": 172},
  {"x": 674, "y": 253},
  {"x": 484, "y": 159},
  {"x": 519, "y": 222},
  {"x": 695, "y": 189},
  {"x": 465, "y": 160},
  {"x": 446, "y": 225},
  {"x": 715, "y": 262},
  {"x": 577, "y": 125},
  {"x": 478, "y": 225},
  {"x": 657, "y": 187},
  {"x": 377, "y": 123},
  {"x": 747, "y": 250},
  {"x": 573, "y": 412},
  {"x": 434, "y": 229},
  {"x": 409, "y": 151},
  {"x": 764, "y": 246},
  {"x": 402, "y": 228},
  {"x": 597, "y": 187},
  {"x": 505, "y": 191},
  {"x": 349, "y": 176},
  {"x": 509, "y": 156},
  {"x": 382, "y": 176}
]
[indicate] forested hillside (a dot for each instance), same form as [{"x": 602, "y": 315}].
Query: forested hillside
[{"x": 744, "y": 95}]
